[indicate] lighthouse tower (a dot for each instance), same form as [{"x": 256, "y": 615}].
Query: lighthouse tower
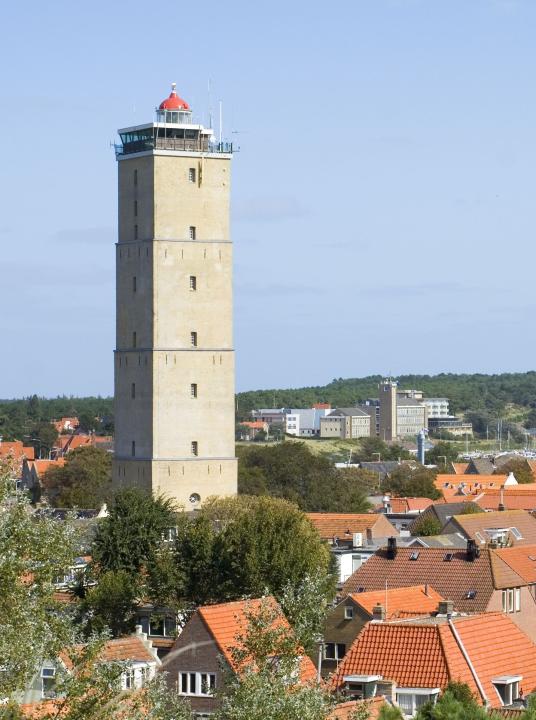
[{"x": 174, "y": 359}]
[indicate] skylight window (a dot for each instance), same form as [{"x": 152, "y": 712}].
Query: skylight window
[
  {"x": 479, "y": 538},
  {"x": 470, "y": 595},
  {"x": 515, "y": 532},
  {"x": 414, "y": 555},
  {"x": 448, "y": 557}
]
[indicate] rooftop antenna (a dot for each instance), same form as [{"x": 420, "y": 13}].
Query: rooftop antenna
[
  {"x": 221, "y": 121},
  {"x": 209, "y": 105}
]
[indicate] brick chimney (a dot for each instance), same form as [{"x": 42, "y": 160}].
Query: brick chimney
[{"x": 445, "y": 607}]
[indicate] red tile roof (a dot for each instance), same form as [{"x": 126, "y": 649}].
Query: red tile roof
[
  {"x": 330, "y": 525},
  {"x": 42, "y": 466},
  {"x": 409, "y": 504},
  {"x": 16, "y": 450},
  {"x": 227, "y": 621},
  {"x": 400, "y": 602},
  {"x": 125, "y": 649},
  {"x": 346, "y": 710},
  {"x": 428, "y": 655},
  {"x": 521, "y": 559},
  {"x": 455, "y": 487}
]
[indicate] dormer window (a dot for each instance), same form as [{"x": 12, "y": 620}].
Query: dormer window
[{"x": 507, "y": 687}]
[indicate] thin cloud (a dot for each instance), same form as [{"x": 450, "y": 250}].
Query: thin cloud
[{"x": 268, "y": 209}]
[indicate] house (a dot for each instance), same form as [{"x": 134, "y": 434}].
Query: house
[
  {"x": 476, "y": 579},
  {"x": 304, "y": 422},
  {"x": 501, "y": 528},
  {"x": 521, "y": 497},
  {"x": 16, "y": 450},
  {"x": 401, "y": 512},
  {"x": 202, "y": 653},
  {"x": 348, "y": 423},
  {"x": 442, "y": 512},
  {"x": 457, "y": 487},
  {"x": 480, "y": 466},
  {"x": 253, "y": 428},
  {"x": 353, "y": 537},
  {"x": 32, "y": 475},
  {"x": 140, "y": 658},
  {"x": 459, "y": 468},
  {"x": 486, "y": 651},
  {"x": 160, "y": 624},
  {"x": 351, "y": 614},
  {"x": 66, "y": 423}
]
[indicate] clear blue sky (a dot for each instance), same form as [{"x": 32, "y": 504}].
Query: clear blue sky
[{"x": 383, "y": 198}]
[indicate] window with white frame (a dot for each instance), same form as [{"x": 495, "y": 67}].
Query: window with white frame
[
  {"x": 511, "y": 600},
  {"x": 135, "y": 676},
  {"x": 348, "y": 613},
  {"x": 334, "y": 651},
  {"x": 410, "y": 700},
  {"x": 507, "y": 688},
  {"x": 197, "y": 683},
  {"x": 48, "y": 680}
]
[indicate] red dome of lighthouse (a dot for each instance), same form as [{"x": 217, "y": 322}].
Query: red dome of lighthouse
[{"x": 174, "y": 102}]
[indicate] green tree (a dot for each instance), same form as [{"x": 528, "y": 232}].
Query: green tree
[
  {"x": 306, "y": 606},
  {"x": 390, "y": 712},
  {"x": 426, "y": 525},
  {"x": 34, "y": 550},
  {"x": 268, "y": 690},
  {"x": 243, "y": 546},
  {"x": 132, "y": 533},
  {"x": 43, "y": 435},
  {"x": 407, "y": 482},
  {"x": 520, "y": 468},
  {"x": 110, "y": 604},
  {"x": 455, "y": 703},
  {"x": 84, "y": 481},
  {"x": 290, "y": 470},
  {"x": 442, "y": 454}
]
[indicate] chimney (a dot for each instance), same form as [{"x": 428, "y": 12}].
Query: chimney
[
  {"x": 472, "y": 550},
  {"x": 426, "y": 589},
  {"x": 445, "y": 607},
  {"x": 378, "y": 613},
  {"x": 501, "y": 503},
  {"x": 391, "y": 548}
]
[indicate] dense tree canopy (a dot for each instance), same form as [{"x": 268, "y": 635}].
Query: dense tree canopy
[
  {"x": 520, "y": 468},
  {"x": 84, "y": 481},
  {"x": 407, "y": 482},
  {"x": 238, "y": 547},
  {"x": 290, "y": 470},
  {"x": 132, "y": 533}
]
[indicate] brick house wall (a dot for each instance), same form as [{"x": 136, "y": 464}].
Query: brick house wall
[{"x": 194, "y": 651}]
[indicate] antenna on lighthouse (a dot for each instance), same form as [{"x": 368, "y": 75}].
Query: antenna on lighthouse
[{"x": 221, "y": 121}]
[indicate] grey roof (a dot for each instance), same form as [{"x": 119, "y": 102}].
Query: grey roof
[
  {"x": 402, "y": 401},
  {"x": 450, "y": 540},
  {"x": 442, "y": 512},
  {"x": 383, "y": 468},
  {"x": 349, "y": 411},
  {"x": 481, "y": 466}
]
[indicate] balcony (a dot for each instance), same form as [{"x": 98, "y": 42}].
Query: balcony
[{"x": 200, "y": 144}]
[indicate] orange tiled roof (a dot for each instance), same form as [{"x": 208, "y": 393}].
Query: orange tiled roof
[
  {"x": 400, "y": 602},
  {"x": 427, "y": 655},
  {"x": 521, "y": 559},
  {"x": 330, "y": 524},
  {"x": 511, "y": 498},
  {"x": 409, "y": 504},
  {"x": 228, "y": 620},
  {"x": 124, "y": 649},
  {"x": 16, "y": 450},
  {"x": 255, "y": 424},
  {"x": 42, "y": 466},
  {"x": 456, "y": 487}
]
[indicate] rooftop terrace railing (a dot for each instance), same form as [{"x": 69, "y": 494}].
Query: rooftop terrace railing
[{"x": 174, "y": 144}]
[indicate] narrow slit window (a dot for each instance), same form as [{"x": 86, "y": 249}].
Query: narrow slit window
[
  {"x": 134, "y": 339},
  {"x": 193, "y": 283},
  {"x": 133, "y": 449},
  {"x": 192, "y": 232},
  {"x": 193, "y": 390},
  {"x": 191, "y": 175},
  {"x": 135, "y": 232},
  {"x": 194, "y": 448},
  {"x": 193, "y": 339},
  {"x": 134, "y": 284},
  {"x": 135, "y": 178},
  {"x": 135, "y": 208},
  {"x": 133, "y": 391}
]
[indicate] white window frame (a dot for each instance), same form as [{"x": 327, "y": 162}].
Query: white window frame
[
  {"x": 336, "y": 657},
  {"x": 429, "y": 693},
  {"x": 201, "y": 680},
  {"x": 47, "y": 673},
  {"x": 348, "y": 613},
  {"x": 512, "y": 688},
  {"x": 135, "y": 676}
]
